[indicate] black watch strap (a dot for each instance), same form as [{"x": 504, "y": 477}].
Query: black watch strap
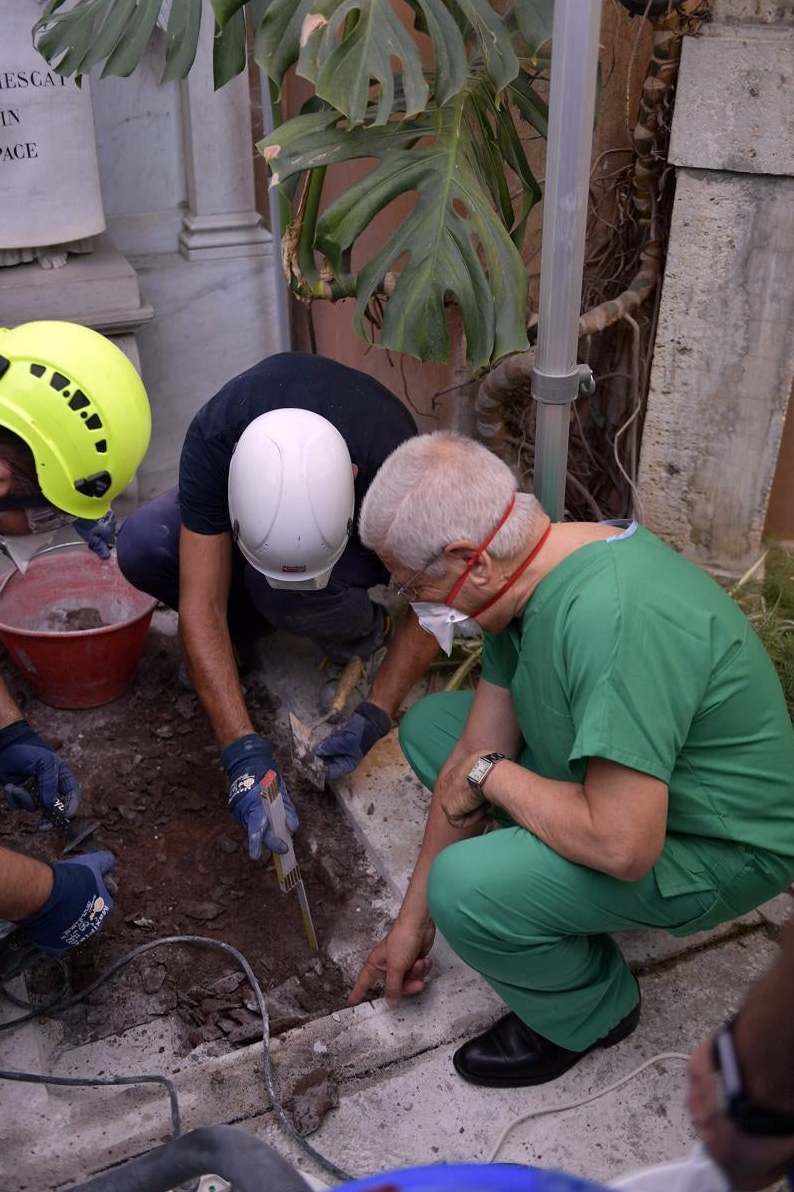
[{"x": 751, "y": 1118}]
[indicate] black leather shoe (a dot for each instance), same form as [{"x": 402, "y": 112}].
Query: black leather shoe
[{"x": 511, "y": 1055}]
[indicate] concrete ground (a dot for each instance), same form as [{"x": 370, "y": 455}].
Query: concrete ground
[{"x": 399, "y": 1100}]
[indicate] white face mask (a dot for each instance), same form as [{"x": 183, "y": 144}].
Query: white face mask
[{"x": 439, "y": 620}]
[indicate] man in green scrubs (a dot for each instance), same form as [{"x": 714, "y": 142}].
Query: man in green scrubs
[{"x": 628, "y": 742}]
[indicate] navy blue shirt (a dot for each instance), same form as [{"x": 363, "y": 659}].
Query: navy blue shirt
[{"x": 369, "y": 417}]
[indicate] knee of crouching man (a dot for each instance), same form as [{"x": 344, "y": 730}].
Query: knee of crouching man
[
  {"x": 446, "y": 891},
  {"x": 130, "y": 550},
  {"x": 410, "y": 725}
]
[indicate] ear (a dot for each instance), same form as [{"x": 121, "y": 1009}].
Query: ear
[
  {"x": 355, "y": 470},
  {"x": 482, "y": 572},
  {"x": 5, "y": 478}
]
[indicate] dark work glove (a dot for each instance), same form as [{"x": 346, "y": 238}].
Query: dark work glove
[
  {"x": 348, "y": 744},
  {"x": 246, "y": 761},
  {"x": 99, "y": 535},
  {"x": 76, "y": 908},
  {"x": 35, "y": 777}
]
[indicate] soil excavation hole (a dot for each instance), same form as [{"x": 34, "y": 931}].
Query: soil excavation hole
[{"x": 149, "y": 769}]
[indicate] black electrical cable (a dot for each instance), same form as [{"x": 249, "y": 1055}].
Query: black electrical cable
[
  {"x": 267, "y": 1066},
  {"x": 43, "y": 1006},
  {"x": 82, "y": 1081}
]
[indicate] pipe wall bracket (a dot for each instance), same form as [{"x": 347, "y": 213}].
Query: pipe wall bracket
[{"x": 559, "y": 390}]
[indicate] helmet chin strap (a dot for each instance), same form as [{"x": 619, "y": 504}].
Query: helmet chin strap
[{"x": 33, "y": 501}]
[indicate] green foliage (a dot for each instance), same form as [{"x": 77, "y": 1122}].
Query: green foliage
[
  {"x": 461, "y": 669},
  {"x": 769, "y": 606},
  {"x": 182, "y": 32},
  {"x": 116, "y": 33},
  {"x": 433, "y": 105},
  {"x": 452, "y": 160}
]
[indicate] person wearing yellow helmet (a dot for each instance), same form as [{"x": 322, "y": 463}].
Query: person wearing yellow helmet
[
  {"x": 74, "y": 426},
  {"x": 73, "y": 401}
]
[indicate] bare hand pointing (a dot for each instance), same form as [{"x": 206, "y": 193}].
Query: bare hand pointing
[{"x": 399, "y": 963}]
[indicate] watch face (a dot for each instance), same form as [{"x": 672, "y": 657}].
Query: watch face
[{"x": 479, "y": 770}]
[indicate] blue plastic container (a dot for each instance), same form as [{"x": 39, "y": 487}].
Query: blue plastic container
[{"x": 471, "y": 1177}]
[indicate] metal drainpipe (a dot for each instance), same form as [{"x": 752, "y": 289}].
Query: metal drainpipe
[
  {"x": 282, "y": 324},
  {"x": 556, "y": 376}
]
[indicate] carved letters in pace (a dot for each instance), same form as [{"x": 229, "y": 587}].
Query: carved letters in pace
[{"x": 20, "y": 80}]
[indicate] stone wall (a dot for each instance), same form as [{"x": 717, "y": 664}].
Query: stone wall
[
  {"x": 176, "y": 169},
  {"x": 724, "y": 356}
]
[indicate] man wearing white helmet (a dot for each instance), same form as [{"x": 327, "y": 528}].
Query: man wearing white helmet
[{"x": 262, "y": 529}]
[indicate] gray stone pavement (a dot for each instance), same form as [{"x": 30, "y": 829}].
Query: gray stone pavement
[
  {"x": 400, "y": 1102},
  {"x": 421, "y": 1112}
]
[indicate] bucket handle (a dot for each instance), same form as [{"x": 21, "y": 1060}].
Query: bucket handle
[{"x": 45, "y": 550}]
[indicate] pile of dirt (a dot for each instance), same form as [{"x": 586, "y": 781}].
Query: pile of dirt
[{"x": 150, "y": 773}]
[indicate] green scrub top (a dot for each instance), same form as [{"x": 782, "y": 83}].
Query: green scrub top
[{"x": 629, "y": 652}]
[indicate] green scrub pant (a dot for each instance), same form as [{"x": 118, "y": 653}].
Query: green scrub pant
[{"x": 536, "y": 926}]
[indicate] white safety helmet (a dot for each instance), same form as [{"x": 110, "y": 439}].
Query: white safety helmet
[{"x": 291, "y": 498}]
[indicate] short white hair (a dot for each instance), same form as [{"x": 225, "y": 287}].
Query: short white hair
[{"x": 440, "y": 488}]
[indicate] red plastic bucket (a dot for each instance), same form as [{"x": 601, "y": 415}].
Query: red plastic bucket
[{"x": 85, "y": 667}]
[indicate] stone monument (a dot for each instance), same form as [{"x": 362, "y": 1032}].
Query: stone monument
[{"x": 50, "y": 201}]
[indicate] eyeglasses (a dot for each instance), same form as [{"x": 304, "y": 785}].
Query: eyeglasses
[
  {"x": 410, "y": 584},
  {"x": 408, "y": 589}
]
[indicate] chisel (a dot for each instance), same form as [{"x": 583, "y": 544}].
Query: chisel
[
  {"x": 287, "y": 868},
  {"x": 311, "y": 766},
  {"x": 77, "y": 830}
]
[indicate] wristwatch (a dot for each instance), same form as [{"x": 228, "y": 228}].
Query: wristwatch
[
  {"x": 481, "y": 769},
  {"x": 751, "y": 1118}
]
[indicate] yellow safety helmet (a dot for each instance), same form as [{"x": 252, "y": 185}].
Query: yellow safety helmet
[{"x": 80, "y": 406}]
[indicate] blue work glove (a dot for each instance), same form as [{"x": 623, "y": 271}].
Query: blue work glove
[
  {"x": 76, "y": 908},
  {"x": 246, "y": 761},
  {"x": 100, "y": 535},
  {"x": 348, "y": 744},
  {"x": 34, "y": 777}
]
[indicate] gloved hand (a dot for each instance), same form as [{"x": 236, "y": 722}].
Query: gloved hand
[
  {"x": 246, "y": 761},
  {"x": 48, "y": 781},
  {"x": 76, "y": 908},
  {"x": 349, "y": 743},
  {"x": 100, "y": 535}
]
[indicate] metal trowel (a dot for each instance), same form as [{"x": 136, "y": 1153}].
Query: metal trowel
[
  {"x": 80, "y": 830},
  {"x": 310, "y": 766},
  {"x": 77, "y": 830},
  {"x": 302, "y": 744}
]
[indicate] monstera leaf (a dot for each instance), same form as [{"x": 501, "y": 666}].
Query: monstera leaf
[
  {"x": 349, "y": 43},
  {"x": 342, "y": 70},
  {"x": 341, "y": 46},
  {"x": 116, "y": 33},
  {"x": 454, "y": 245},
  {"x": 436, "y": 115}
]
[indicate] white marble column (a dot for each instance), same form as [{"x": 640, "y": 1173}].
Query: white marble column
[{"x": 221, "y": 220}]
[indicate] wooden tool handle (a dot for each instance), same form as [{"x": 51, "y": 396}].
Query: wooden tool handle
[{"x": 352, "y": 673}]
